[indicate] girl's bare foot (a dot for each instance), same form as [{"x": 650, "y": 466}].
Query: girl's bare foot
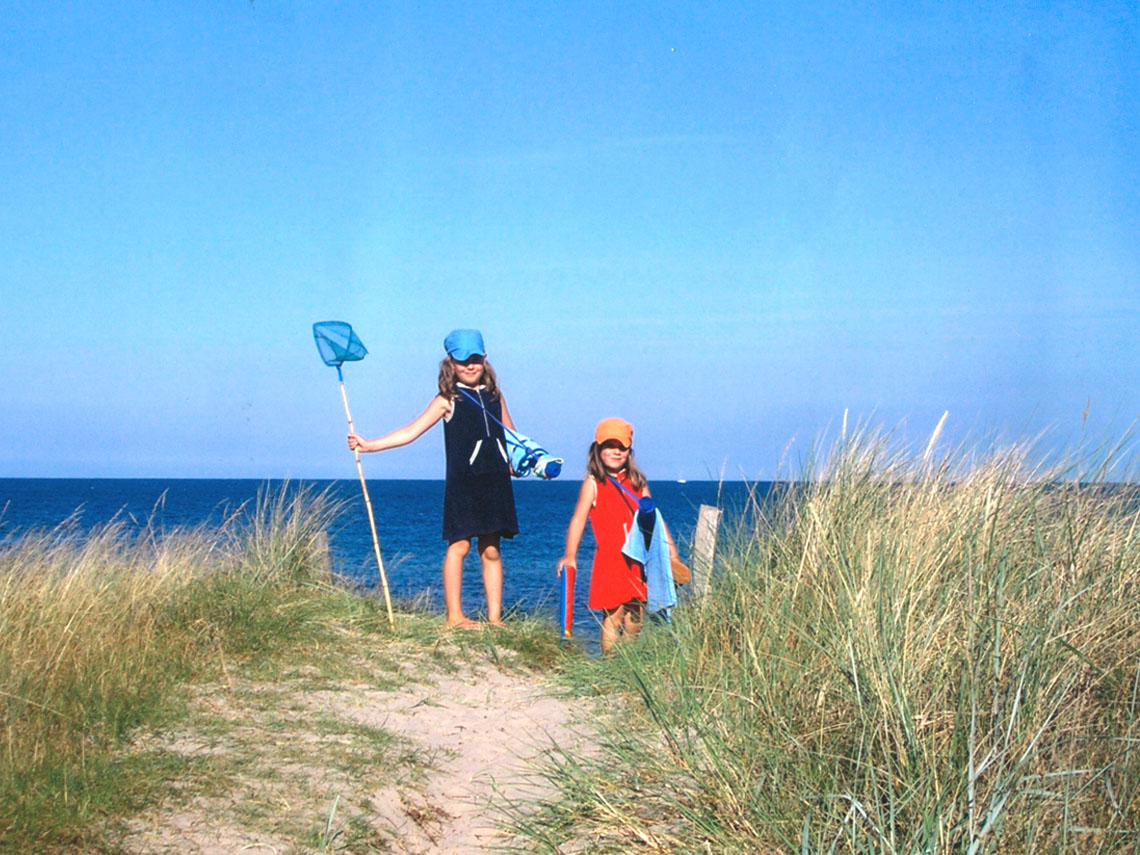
[{"x": 462, "y": 623}]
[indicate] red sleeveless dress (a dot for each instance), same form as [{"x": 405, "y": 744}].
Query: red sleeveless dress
[{"x": 614, "y": 579}]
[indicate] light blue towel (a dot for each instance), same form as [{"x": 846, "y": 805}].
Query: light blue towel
[{"x": 658, "y": 569}]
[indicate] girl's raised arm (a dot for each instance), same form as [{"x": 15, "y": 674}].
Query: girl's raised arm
[
  {"x": 436, "y": 410},
  {"x": 578, "y": 524}
]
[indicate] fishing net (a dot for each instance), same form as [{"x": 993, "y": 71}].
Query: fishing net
[{"x": 337, "y": 342}]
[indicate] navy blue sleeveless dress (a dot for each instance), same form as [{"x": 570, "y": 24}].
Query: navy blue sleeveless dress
[{"x": 477, "y": 497}]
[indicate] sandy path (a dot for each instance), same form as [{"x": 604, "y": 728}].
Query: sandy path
[
  {"x": 491, "y": 729},
  {"x": 481, "y": 730}
]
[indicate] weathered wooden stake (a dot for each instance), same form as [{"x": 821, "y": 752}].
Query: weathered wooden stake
[{"x": 704, "y": 549}]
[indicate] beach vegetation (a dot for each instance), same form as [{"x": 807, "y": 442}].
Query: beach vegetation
[
  {"x": 900, "y": 652},
  {"x": 141, "y": 667}
]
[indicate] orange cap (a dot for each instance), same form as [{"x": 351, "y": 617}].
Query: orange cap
[{"x": 617, "y": 429}]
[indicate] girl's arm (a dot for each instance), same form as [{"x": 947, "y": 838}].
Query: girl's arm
[
  {"x": 577, "y": 525},
  {"x": 436, "y": 410},
  {"x": 507, "y": 420}
]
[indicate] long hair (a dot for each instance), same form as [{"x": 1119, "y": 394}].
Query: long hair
[
  {"x": 448, "y": 380},
  {"x": 597, "y": 470}
]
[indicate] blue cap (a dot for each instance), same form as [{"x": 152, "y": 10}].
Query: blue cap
[{"x": 463, "y": 344}]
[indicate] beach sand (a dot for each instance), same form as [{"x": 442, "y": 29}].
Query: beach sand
[{"x": 470, "y": 738}]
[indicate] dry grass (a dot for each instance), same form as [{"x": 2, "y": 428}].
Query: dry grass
[
  {"x": 902, "y": 654},
  {"x": 170, "y": 678},
  {"x": 96, "y": 630}
]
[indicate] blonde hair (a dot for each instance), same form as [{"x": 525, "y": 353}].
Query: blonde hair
[
  {"x": 448, "y": 380},
  {"x": 597, "y": 470}
]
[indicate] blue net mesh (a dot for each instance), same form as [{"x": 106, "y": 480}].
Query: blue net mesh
[{"x": 337, "y": 342}]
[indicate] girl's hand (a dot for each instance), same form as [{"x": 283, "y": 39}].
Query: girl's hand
[
  {"x": 567, "y": 562},
  {"x": 436, "y": 410}
]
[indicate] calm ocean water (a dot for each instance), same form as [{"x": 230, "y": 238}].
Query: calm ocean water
[{"x": 408, "y": 519}]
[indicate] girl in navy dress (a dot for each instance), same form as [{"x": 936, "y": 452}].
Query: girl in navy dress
[{"x": 478, "y": 503}]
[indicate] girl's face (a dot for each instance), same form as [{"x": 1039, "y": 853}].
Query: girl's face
[
  {"x": 470, "y": 371},
  {"x": 614, "y": 455}
]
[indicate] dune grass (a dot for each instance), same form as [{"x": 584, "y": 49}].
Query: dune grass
[
  {"x": 106, "y": 636},
  {"x": 97, "y": 632},
  {"x": 901, "y": 653}
]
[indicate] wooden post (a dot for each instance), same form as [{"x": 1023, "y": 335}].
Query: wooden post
[
  {"x": 704, "y": 548},
  {"x": 323, "y": 555}
]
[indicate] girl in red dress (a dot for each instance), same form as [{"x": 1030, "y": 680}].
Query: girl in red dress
[{"x": 617, "y": 587}]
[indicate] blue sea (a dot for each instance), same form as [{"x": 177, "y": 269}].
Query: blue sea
[{"x": 408, "y": 520}]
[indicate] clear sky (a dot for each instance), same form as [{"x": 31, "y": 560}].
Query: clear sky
[{"x": 727, "y": 222}]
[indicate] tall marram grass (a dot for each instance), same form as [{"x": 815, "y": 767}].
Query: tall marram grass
[
  {"x": 96, "y": 629},
  {"x": 897, "y": 656}
]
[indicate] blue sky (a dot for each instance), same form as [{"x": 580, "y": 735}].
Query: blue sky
[{"x": 726, "y": 222}]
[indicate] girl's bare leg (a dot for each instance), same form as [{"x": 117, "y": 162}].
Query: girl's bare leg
[
  {"x": 453, "y": 583},
  {"x": 492, "y": 577},
  {"x": 631, "y": 621},
  {"x": 611, "y": 626}
]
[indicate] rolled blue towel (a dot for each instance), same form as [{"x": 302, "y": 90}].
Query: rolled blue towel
[{"x": 528, "y": 457}]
